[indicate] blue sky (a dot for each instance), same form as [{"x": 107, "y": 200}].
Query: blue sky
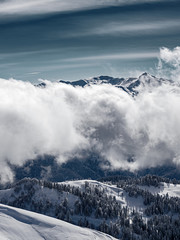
[{"x": 68, "y": 39}]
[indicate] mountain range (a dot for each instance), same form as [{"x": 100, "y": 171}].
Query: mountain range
[{"x": 130, "y": 85}]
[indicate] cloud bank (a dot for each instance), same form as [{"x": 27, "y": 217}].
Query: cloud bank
[{"x": 63, "y": 121}]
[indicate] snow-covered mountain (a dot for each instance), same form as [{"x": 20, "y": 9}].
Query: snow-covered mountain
[
  {"x": 18, "y": 224},
  {"x": 130, "y": 85}
]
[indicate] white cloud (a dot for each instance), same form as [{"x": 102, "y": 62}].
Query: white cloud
[
  {"x": 171, "y": 56},
  {"x": 32, "y": 7},
  {"x": 169, "y": 63},
  {"x": 63, "y": 120},
  {"x": 34, "y": 121}
]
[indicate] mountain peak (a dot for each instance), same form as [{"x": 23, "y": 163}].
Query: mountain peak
[{"x": 145, "y": 74}]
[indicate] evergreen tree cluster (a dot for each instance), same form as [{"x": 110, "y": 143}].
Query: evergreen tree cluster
[
  {"x": 147, "y": 180},
  {"x": 156, "y": 204}
]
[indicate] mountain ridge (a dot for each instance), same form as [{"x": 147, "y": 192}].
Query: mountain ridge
[{"x": 131, "y": 85}]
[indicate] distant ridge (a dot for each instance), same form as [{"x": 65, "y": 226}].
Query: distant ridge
[{"x": 131, "y": 85}]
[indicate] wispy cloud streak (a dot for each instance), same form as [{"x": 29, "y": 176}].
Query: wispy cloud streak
[
  {"x": 120, "y": 56},
  {"x": 32, "y": 7},
  {"x": 126, "y": 28},
  {"x": 121, "y": 27}
]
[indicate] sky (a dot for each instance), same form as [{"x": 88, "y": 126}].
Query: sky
[
  {"x": 56, "y": 39},
  {"x": 71, "y": 40}
]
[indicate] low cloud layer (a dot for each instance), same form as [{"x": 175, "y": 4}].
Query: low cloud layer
[{"x": 62, "y": 120}]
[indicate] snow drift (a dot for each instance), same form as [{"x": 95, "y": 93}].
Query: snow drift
[{"x": 21, "y": 224}]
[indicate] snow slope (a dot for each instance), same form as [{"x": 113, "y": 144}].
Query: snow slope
[
  {"x": 112, "y": 190},
  {"x": 173, "y": 190},
  {"x": 18, "y": 224}
]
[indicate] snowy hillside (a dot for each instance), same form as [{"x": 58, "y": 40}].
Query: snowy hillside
[
  {"x": 86, "y": 206},
  {"x": 133, "y": 203},
  {"x": 173, "y": 190},
  {"x": 118, "y": 206},
  {"x": 112, "y": 190},
  {"x": 18, "y": 224}
]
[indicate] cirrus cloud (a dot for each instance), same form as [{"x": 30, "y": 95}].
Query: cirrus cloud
[{"x": 33, "y": 7}]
